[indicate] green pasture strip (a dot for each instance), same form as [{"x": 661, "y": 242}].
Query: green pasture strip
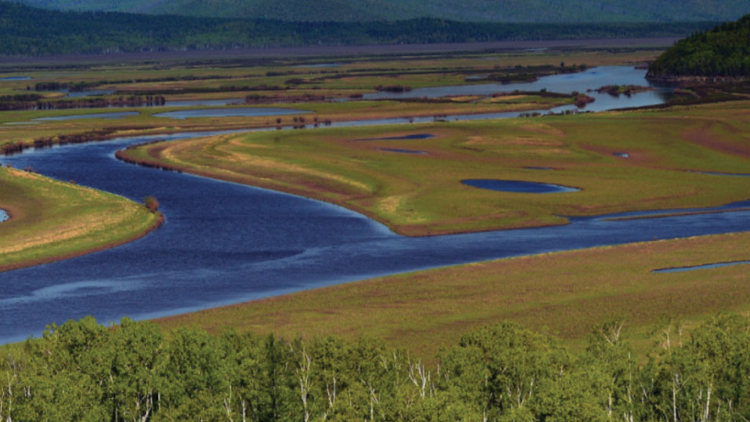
[
  {"x": 21, "y": 126},
  {"x": 567, "y": 292},
  {"x": 52, "y": 220}
]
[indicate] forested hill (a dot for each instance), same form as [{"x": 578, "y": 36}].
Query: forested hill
[
  {"x": 31, "y": 32},
  {"x": 721, "y": 52},
  {"x": 531, "y": 11}
]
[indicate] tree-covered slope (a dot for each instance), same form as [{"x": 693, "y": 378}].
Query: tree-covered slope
[
  {"x": 462, "y": 10},
  {"x": 31, "y": 31},
  {"x": 721, "y": 52}
]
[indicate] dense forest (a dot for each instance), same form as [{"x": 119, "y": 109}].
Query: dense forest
[
  {"x": 721, "y": 52},
  {"x": 530, "y": 11},
  {"x": 32, "y": 32},
  {"x": 82, "y": 371}
]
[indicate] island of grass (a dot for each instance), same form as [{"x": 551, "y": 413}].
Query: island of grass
[
  {"x": 423, "y": 194},
  {"x": 52, "y": 220}
]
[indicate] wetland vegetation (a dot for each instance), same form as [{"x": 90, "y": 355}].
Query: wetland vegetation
[{"x": 408, "y": 192}]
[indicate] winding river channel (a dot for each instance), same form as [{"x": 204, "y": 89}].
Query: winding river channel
[{"x": 225, "y": 243}]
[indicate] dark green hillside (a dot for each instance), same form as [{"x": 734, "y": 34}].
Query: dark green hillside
[
  {"x": 30, "y": 31},
  {"x": 721, "y": 52},
  {"x": 462, "y": 10}
]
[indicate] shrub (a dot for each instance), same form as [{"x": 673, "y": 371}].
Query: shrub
[{"x": 151, "y": 203}]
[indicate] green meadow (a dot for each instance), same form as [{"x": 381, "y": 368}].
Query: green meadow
[
  {"x": 53, "y": 220},
  {"x": 422, "y": 194}
]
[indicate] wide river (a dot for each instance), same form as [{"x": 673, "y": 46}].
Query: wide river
[{"x": 225, "y": 243}]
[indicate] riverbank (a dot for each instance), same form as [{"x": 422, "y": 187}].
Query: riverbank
[
  {"x": 567, "y": 293},
  {"x": 52, "y": 220}
]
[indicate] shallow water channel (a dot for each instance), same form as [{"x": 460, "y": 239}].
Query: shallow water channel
[
  {"x": 582, "y": 82},
  {"x": 225, "y": 243}
]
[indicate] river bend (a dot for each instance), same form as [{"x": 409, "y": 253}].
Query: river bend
[{"x": 225, "y": 243}]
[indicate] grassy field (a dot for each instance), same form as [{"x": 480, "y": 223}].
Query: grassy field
[
  {"x": 52, "y": 220},
  {"x": 566, "y": 292},
  {"x": 422, "y": 194}
]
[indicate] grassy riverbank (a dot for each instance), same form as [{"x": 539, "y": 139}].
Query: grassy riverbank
[
  {"x": 52, "y": 220},
  {"x": 619, "y": 161},
  {"x": 567, "y": 292}
]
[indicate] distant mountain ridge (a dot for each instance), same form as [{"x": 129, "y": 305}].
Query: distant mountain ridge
[
  {"x": 29, "y": 31},
  {"x": 548, "y": 11}
]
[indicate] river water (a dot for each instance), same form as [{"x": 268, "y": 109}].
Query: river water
[
  {"x": 225, "y": 243},
  {"x": 583, "y": 82}
]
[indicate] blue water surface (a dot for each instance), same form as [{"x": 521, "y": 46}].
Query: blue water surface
[
  {"x": 517, "y": 186},
  {"x": 700, "y": 267}
]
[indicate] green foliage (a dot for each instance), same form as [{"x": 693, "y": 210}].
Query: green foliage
[
  {"x": 85, "y": 372},
  {"x": 30, "y": 31},
  {"x": 151, "y": 203},
  {"x": 723, "y": 51}
]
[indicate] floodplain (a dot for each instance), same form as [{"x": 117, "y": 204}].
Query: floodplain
[{"x": 621, "y": 161}]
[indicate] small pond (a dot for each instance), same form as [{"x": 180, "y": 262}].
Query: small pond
[
  {"x": 714, "y": 173},
  {"x": 94, "y": 93},
  {"x": 204, "y": 103},
  {"x": 3, "y": 216},
  {"x": 517, "y": 186},
  {"x": 15, "y": 78},
  {"x": 398, "y": 138},
  {"x": 402, "y": 151},
  {"x": 92, "y": 116},
  {"x": 700, "y": 267},
  {"x": 229, "y": 112}
]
